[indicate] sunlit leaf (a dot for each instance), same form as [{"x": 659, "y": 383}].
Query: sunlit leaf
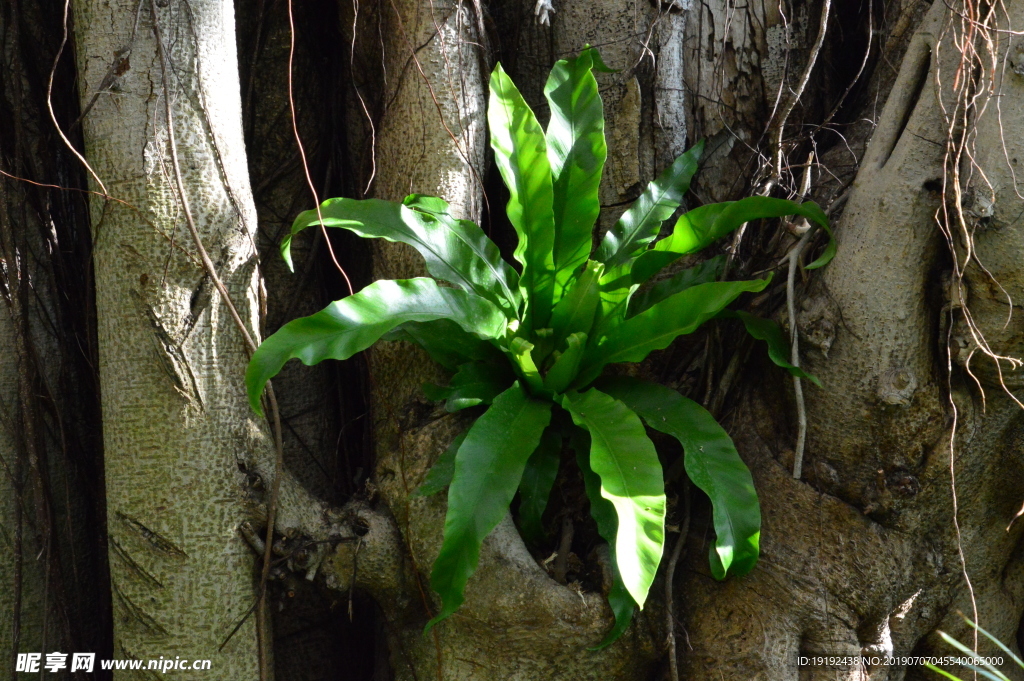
[
  {"x": 521, "y": 351},
  {"x": 603, "y": 512},
  {"x": 644, "y": 298},
  {"x": 711, "y": 462},
  {"x": 352, "y": 324},
  {"x": 576, "y": 310},
  {"x": 702, "y": 226},
  {"x": 455, "y": 251},
  {"x": 520, "y": 152},
  {"x": 656, "y": 327},
  {"x": 631, "y": 479},
  {"x": 488, "y": 468},
  {"x": 640, "y": 224},
  {"x": 567, "y": 365},
  {"x": 576, "y": 151}
]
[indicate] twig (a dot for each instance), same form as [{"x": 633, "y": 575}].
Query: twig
[
  {"x": 794, "y": 352},
  {"x": 670, "y": 572},
  {"x": 246, "y": 336}
]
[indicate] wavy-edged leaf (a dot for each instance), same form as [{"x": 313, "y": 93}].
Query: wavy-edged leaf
[
  {"x": 520, "y": 152},
  {"x": 538, "y": 479},
  {"x": 603, "y": 512},
  {"x": 576, "y": 310},
  {"x": 456, "y": 251},
  {"x": 576, "y": 151},
  {"x": 700, "y": 227},
  {"x": 712, "y": 463},
  {"x": 709, "y": 270},
  {"x": 567, "y": 365},
  {"x": 477, "y": 383},
  {"x": 440, "y": 474},
  {"x": 354, "y": 323},
  {"x": 631, "y": 479},
  {"x": 640, "y": 224},
  {"x": 488, "y": 468},
  {"x": 768, "y": 331},
  {"x": 653, "y": 329},
  {"x": 446, "y": 342},
  {"x": 521, "y": 351}
]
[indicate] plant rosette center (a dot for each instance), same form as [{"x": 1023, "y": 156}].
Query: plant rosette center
[{"x": 530, "y": 344}]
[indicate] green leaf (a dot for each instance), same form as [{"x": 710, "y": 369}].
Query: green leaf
[
  {"x": 599, "y": 64},
  {"x": 941, "y": 672},
  {"x": 655, "y": 328},
  {"x": 446, "y": 342},
  {"x": 615, "y": 289},
  {"x": 1002, "y": 646},
  {"x": 520, "y": 153},
  {"x": 521, "y": 351},
  {"x": 538, "y": 479},
  {"x": 455, "y": 251},
  {"x": 603, "y": 513},
  {"x": 631, "y": 479},
  {"x": 576, "y": 310},
  {"x": 640, "y": 224},
  {"x": 478, "y": 383},
  {"x": 488, "y": 468},
  {"x": 576, "y": 151},
  {"x": 712, "y": 463},
  {"x": 709, "y": 270},
  {"x": 768, "y": 331},
  {"x": 700, "y": 227},
  {"x": 352, "y": 324},
  {"x": 440, "y": 474},
  {"x": 567, "y": 365},
  {"x": 983, "y": 667}
]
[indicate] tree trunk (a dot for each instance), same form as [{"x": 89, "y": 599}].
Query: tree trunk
[
  {"x": 867, "y": 551},
  {"x": 175, "y": 418}
]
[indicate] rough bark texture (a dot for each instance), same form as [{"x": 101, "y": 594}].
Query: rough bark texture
[
  {"x": 860, "y": 555},
  {"x": 53, "y": 577},
  {"x": 175, "y": 418}
]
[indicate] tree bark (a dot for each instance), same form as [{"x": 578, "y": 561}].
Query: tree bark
[
  {"x": 863, "y": 554},
  {"x": 175, "y": 418}
]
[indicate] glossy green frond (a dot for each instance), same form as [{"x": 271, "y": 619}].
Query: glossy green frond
[
  {"x": 456, "y": 251},
  {"x": 576, "y": 151},
  {"x": 603, "y": 512},
  {"x": 711, "y": 462},
  {"x": 640, "y": 224},
  {"x": 488, "y": 468},
  {"x": 653, "y": 329},
  {"x": 631, "y": 479},
  {"x": 520, "y": 152},
  {"x": 352, "y": 324}
]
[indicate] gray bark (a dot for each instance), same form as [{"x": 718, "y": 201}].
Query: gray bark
[
  {"x": 860, "y": 555},
  {"x": 175, "y": 417}
]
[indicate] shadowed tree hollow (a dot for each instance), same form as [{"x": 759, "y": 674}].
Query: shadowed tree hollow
[{"x": 151, "y": 166}]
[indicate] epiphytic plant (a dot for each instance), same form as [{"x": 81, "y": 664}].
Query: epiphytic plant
[{"x": 532, "y": 345}]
